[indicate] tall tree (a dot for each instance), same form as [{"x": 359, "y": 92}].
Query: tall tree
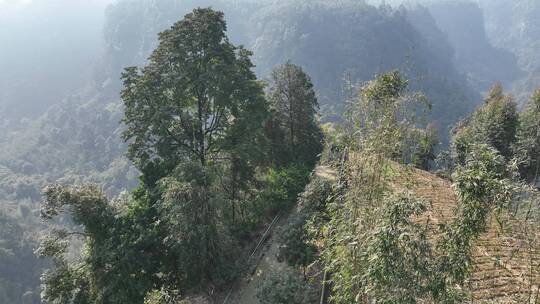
[
  {"x": 295, "y": 106},
  {"x": 196, "y": 99},
  {"x": 194, "y": 113}
]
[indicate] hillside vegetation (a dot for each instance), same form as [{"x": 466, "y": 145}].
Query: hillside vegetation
[
  {"x": 388, "y": 232},
  {"x": 194, "y": 146}
]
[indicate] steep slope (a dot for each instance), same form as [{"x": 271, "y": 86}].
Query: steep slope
[
  {"x": 351, "y": 40},
  {"x": 338, "y": 44},
  {"x": 266, "y": 261},
  {"x": 77, "y": 140},
  {"x": 506, "y": 258}
]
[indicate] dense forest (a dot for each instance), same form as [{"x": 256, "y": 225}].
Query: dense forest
[{"x": 162, "y": 151}]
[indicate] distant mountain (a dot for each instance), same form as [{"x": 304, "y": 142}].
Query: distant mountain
[
  {"x": 484, "y": 64},
  {"x": 515, "y": 26},
  {"x": 352, "y": 41}
]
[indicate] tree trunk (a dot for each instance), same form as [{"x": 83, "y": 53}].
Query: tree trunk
[{"x": 201, "y": 132}]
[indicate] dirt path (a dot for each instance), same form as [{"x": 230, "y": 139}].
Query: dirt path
[
  {"x": 246, "y": 293},
  {"x": 326, "y": 172}
]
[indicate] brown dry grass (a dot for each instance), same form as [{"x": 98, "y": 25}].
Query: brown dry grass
[{"x": 506, "y": 257}]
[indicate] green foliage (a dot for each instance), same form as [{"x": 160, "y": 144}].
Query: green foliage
[
  {"x": 121, "y": 250},
  {"x": 379, "y": 251},
  {"x": 382, "y": 121},
  {"x": 194, "y": 118},
  {"x": 334, "y": 144},
  {"x": 163, "y": 296},
  {"x": 294, "y": 239},
  {"x": 66, "y": 284},
  {"x": 294, "y": 105},
  {"x": 397, "y": 253},
  {"x": 74, "y": 142},
  {"x": 277, "y": 190},
  {"x": 284, "y": 287},
  {"x": 527, "y": 148},
  {"x": 282, "y": 187},
  {"x": 423, "y": 147},
  {"x": 315, "y": 195},
  {"x": 482, "y": 187},
  {"x": 187, "y": 212},
  {"x": 375, "y": 248},
  {"x": 362, "y": 40},
  {"x": 494, "y": 124},
  {"x": 183, "y": 211},
  {"x": 78, "y": 140},
  {"x": 88, "y": 203},
  {"x": 19, "y": 268},
  {"x": 196, "y": 98}
]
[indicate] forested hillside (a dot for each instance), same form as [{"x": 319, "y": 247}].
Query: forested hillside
[
  {"x": 381, "y": 230},
  {"x": 362, "y": 40},
  {"x": 148, "y": 143},
  {"x": 381, "y": 39},
  {"x": 494, "y": 40}
]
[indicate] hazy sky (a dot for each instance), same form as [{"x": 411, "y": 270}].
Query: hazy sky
[
  {"x": 47, "y": 44},
  {"x": 15, "y": 1},
  {"x": 23, "y": 2}
]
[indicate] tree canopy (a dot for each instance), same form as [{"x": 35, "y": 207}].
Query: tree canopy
[
  {"x": 494, "y": 124},
  {"x": 294, "y": 104},
  {"x": 196, "y": 99},
  {"x": 195, "y": 118}
]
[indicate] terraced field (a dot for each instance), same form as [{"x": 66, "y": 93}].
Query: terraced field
[{"x": 506, "y": 257}]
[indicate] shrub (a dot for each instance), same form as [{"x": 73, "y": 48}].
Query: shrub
[
  {"x": 295, "y": 247},
  {"x": 283, "y": 288},
  {"x": 282, "y": 187}
]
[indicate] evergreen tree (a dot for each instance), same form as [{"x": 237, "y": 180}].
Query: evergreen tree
[
  {"x": 193, "y": 114},
  {"x": 197, "y": 98},
  {"x": 294, "y": 104}
]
